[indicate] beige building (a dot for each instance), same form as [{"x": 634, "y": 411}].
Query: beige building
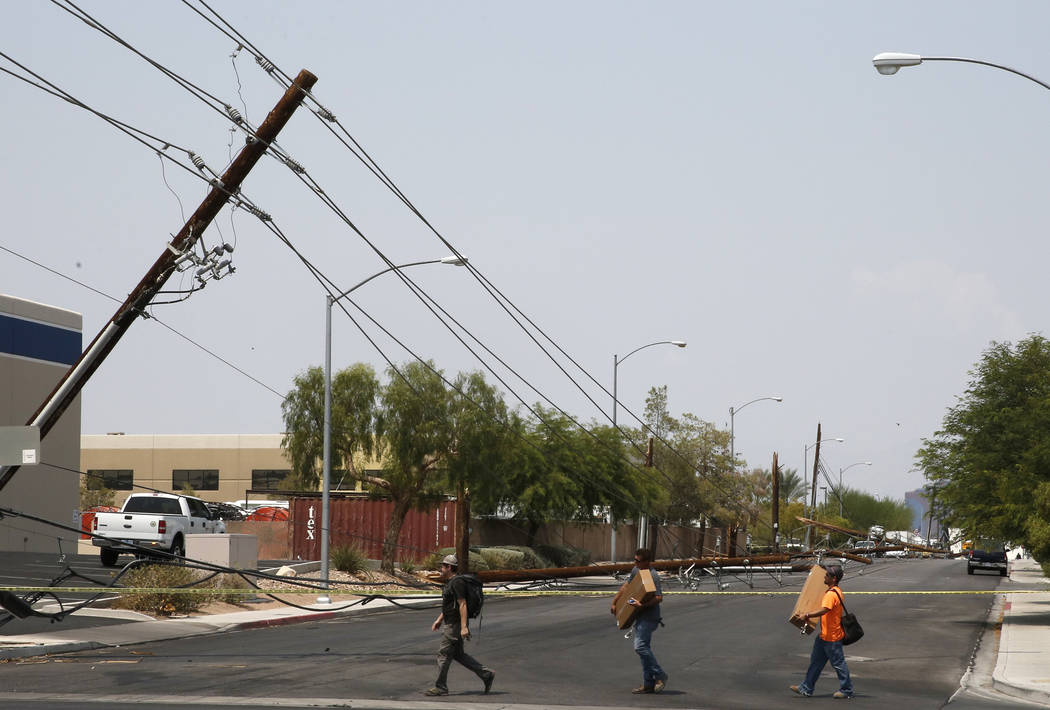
[
  {"x": 38, "y": 343},
  {"x": 219, "y": 467}
]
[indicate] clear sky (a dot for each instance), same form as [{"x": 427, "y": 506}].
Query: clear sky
[{"x": 735, "y": 175}]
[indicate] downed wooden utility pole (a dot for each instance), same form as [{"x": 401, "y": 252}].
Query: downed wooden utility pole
[
  {"x": 49, "y": 412},
  {"x": 776, "y": 504}
]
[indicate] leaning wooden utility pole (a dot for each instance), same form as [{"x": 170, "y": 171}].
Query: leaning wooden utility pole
[
  {"x": 813, "y": 490},
  {"x": 139, "y": 299}
]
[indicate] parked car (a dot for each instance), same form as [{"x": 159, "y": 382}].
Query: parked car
[
  {"x": 992, "y": 560},
  {"x": 151, "y": 521},
  {"x": 864, "y": 547}
]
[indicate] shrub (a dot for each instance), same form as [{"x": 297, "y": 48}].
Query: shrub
[
  {"x": 432, "y": 560},
  {"x": 533, "y": 559},
  {"x": 502, "y": 558},
  {"x": 408, "y": 565},
  {"x": 349, "y": 558},
  {"x": 565, "y": 555},
  {"x": 165, "y": 603},
  {"x": 477, "y": 562},
  {"x": 229, "y": 581}
]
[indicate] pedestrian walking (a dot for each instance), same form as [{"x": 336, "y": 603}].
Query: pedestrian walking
[
  {"x": 653, "y": 677},
  {"x": 453, "y": 623},
  {"x": 827, "y": 646}
]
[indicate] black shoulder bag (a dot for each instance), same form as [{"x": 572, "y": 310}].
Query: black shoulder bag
[{"x": 850, "y": 625}]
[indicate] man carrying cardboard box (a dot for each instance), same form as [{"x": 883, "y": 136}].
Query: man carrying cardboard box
[{"x": 645, "y": 622}]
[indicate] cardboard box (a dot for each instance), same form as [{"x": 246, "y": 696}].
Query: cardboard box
[
  {"x": 809, "y": 599},
  {"x": 642, "y": 588}
]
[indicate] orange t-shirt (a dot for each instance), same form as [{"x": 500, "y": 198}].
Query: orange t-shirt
[{"x": 831, "y": 623}]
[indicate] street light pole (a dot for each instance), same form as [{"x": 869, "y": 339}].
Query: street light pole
[
  {"x": 838, "y": 493},
  {"x": 616, "y": 364},
  {"x": 326, "y": 460},
  {"x": 732, "y": 428}
]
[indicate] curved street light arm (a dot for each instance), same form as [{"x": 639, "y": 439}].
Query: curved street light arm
[
  {"x": 679, "y": 343},
  {"x": 988, "y": 64},
  {"x": 733, "y": 410},
  {"x": 387, "y": 270}
]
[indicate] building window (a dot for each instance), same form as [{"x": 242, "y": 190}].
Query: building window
[
  {"x": 268, "y": 479},
  {"x": 115, "y": 479},
  {"x": 199, "y": 479}
]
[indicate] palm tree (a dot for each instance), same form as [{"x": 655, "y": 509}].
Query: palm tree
[{"x": 792, "y": 487}]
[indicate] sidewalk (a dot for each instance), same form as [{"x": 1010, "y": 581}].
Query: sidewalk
[{"x": 1023, "y": 666}]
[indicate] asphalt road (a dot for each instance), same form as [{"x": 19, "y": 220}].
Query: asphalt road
[{"x": 722, "y": 651}]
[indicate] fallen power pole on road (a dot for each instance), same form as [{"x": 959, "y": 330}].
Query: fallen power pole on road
[
  {"x": 49, "y": 412},
  {"x": 901, "y": 545},
  {"x": 526, "y": 575}
]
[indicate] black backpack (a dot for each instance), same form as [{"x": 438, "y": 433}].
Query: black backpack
[{"x": 475, "y": 595}]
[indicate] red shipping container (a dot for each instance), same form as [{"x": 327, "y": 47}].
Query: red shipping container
[{"x": 363, "y": 522}]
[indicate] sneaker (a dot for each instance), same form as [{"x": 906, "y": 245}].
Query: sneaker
[
  {"x": 840, "y": 695},
  {"x": 801, "y": 692},
  {"x": 642, "y": 689},
  {"x": 488, "y": 680},
  {"x": 660, "y": 684},
  {"x": 436, "y": 691}
]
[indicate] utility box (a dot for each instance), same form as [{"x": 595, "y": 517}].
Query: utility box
[
  {"x": 809, "y": 599},
  {"x": 225, "y": 549},
  {"x": 642, "y": 588}
]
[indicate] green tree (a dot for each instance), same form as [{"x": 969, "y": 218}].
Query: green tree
[
  {"x": 568, "y": 473},
  {"x": 990, "y": 461},
  {"x": 485, "y": 441},
  {"x": 862, "y": 510},
  {"x": 93, "y": 493},
  {"x": 418, "y": 435},
  {"x": 353, "y": 424}
]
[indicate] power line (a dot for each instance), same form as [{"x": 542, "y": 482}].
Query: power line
[{"x": 321, "y": 193}]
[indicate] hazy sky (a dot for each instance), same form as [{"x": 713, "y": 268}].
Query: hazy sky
[{"x": 735, "y": 175}]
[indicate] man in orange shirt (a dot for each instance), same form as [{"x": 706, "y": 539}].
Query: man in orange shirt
[{"x": 827, "y": 647}]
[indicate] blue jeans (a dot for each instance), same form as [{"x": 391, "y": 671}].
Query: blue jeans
[
  {"x": 643, "y": 634},
  {"x": 827, "y": 652}
]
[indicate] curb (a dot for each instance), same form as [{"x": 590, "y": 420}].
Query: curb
[{"x": 281, "y": 621}]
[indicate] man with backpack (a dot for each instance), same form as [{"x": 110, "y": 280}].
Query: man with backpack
[{"x": 459, "y": 589}]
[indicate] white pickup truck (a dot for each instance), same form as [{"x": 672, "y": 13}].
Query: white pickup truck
[{"x": 155, "y": 521}]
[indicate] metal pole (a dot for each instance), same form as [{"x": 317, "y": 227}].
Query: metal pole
[
  {"x": 732, "y": 440},
  {"x": 326, "y": 475},
  {"x": 612, "y": 521}
]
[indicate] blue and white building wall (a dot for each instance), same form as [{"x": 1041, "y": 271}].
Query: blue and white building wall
[{"x": 38, "y": 343}]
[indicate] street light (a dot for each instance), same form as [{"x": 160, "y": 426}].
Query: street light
[
  {"x": 326, "y": 476},
  {"x": 617, "y": 360},
  {"x": 616, "y": 364},
  {"x": 732, "y": 429},
  {"x": 841, "y": 471},
  {"x": 805, "y": 465},
  {"x": 889, "y": 62}
]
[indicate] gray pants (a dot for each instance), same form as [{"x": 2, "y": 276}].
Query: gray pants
[{"x": 451, "y": 649}]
